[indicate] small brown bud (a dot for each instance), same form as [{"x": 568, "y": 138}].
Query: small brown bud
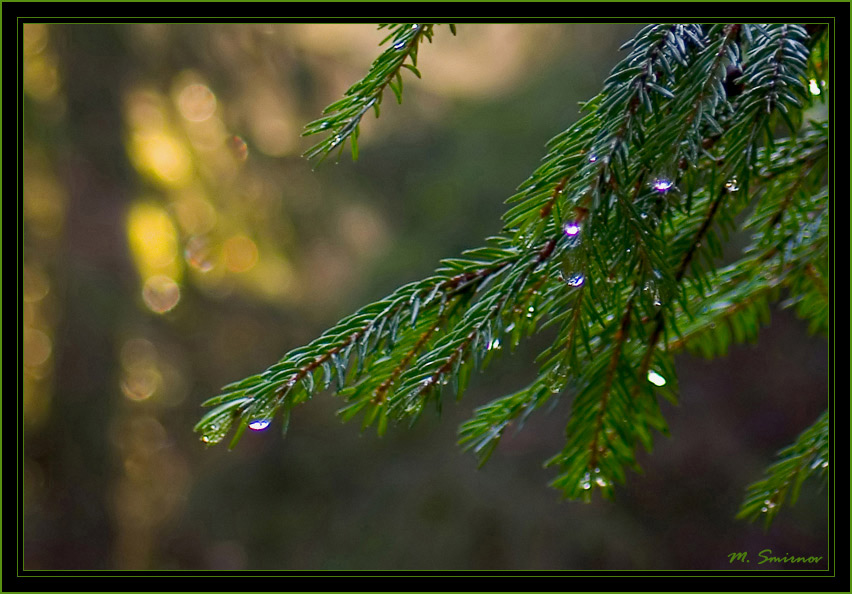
[{"x": 732, "y": 88}]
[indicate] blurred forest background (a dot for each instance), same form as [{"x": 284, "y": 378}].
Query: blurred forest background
[{"x": 175, "y": 241}]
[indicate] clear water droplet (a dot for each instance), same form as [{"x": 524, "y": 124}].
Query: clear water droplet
[
  {"x": 260, "y": 424},
  {"x": 571, "y": 228},
  {"x": 587, "y": 482},
  {"x": 769, "y": 503},
  {"x": 813, "y": 85},
  {"x": 662, "y": 185},
  {"x": 510, "y": 327},
  {"x": 530, "y": 311},
  {"x": 732, "y": 185},
  {"x": 656, "y": 379},
  {"x": 593, "y": 158},
  {"x": 399, "y": 45},
  {"x": 494, "y": 344},
  {"x": 214, "y": 433},
  {"x": 575, "y": 280}
]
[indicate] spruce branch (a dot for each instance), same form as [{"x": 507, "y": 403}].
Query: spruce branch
[
  {"x": 341, "y": 119},
  {"x": 808, "y": 455},
  {"x": 614, "y": 242}
]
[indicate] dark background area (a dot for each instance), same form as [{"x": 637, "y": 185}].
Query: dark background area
[{"x": 175, "y": 241}]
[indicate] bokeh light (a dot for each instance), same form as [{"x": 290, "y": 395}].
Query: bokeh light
[
  {"x": 153, "y": 240},
  {"x": 239, "y": 253},
  {"x": 160, "y": 293}
]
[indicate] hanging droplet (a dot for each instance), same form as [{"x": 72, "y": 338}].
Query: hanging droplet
[
  {"x": 813, "y": 85},
  {"x": 575, "y": 280},
  {"x": 571, "y": 228},
  {"x": 593, "y": 158},
  {"x": 587, "y": 482},
  {"x": 530, "y": 311},
  {"x": 769, "y": 503},
  {"x": 662, "y": 185},
  {"x": 214, "y": 433},
  {"x": 260, "y": 424},
  {"x": 732, "y": 185},
  {"x": 656, "y": 379}
]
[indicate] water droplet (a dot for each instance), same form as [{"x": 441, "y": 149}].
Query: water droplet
[
  {"x": 260, "y": 424},
  {"x": 336, "y": 141},
  {"x": 530, "y": 311},
  {"x": 769, "y": 503},
  {"x": 656, "y": 379},
  {"x": 587, "y": 482},
  {"x": 813, "y": 85},
  {"x": 214, "y": 433},
  {"x": 399, "y": 45},
  {"x": 571, "y": 228},
  {"x": 644, "y": 215},
  {"x": 494, "y": 344},
  {"x": 575, "y": 280},
  {"x": 662, "y": 185},
  {"x": 825, "y": 464},
  {"x": 510, "y": 327},
  {"x": 732, "y": 185},
  {"x": 593, "y": 158}
]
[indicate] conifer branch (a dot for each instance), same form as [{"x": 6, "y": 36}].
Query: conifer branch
[
  {"x": 808, "y": 455},
  {"x": 615, "y": 242},
  {"x": 341, "y": 119}
]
